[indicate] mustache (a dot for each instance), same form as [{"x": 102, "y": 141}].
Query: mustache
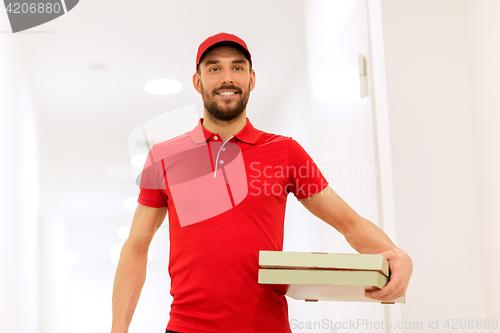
[{"x": 227, "y": 87}]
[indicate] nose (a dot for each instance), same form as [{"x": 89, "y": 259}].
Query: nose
[{"x": 227, "y": 77}]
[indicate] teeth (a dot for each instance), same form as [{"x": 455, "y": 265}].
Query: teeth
[{"x": 227, "y": 93}]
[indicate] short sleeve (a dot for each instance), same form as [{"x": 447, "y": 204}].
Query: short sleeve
[
  {"x": 153, "y": 184},
  {"x": 305, "y": 178}
]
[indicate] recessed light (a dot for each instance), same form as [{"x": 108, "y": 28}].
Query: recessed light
[
  {"x": 98, "y": 67},
  {"x": 114, "y": 252},
  {"x": 130, "y": 204},
  {"x": 163, "y": 87},
  {"x": 124, "y": 231}
]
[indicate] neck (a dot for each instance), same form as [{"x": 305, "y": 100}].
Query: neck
[{"x": 225, "y": 129}]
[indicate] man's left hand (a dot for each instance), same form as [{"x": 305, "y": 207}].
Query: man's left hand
[{"x": 401, "y": 267}]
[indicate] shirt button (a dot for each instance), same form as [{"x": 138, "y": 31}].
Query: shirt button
[
  {"x": 221, "y": 162},
  {"x": 223, "y": 149},
  {"x": 215, "y": 137}
]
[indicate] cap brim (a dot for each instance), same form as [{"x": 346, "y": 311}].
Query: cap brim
[{"x": 226, "y": 43}]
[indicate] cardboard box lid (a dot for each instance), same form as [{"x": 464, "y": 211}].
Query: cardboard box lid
[
  {"x": 325, "y": 285},
  {"x": 330, "y": 261}
]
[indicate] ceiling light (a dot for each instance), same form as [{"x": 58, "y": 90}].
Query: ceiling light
[
  {"x": 114, "y": 253},
  {"x": 123, "y": 232},
  {"x": 130, "y": 204},
  {"x": 163, "y": 87}
]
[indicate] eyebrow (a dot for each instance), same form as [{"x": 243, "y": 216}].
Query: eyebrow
[{"x": 236, "y": 61}]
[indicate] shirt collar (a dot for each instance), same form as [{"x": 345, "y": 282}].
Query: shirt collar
[{"x": 248, "y": 134}]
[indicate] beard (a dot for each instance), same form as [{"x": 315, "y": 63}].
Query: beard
[{"x": 226, "y": 112}]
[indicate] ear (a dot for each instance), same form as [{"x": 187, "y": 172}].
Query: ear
[
  {"x": 252, "y": 80},
  {"x": 197, "y": 82}
]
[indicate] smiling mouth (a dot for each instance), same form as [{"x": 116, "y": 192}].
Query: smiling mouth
[{"x": 227, "y": 93}]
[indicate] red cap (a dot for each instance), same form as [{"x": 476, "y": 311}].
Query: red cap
[{"x": 222, "y": 39}]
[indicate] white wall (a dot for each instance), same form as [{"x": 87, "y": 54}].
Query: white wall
[
  {"x": 483, "y": 28},
  {"x": 440, "y": 102},
  {"x": 19, "y": 196}
]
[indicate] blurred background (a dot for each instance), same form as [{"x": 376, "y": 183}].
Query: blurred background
[{"x": 396, "y": 100}]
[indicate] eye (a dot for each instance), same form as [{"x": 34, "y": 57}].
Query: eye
[
  {"x": 214, "y": 69},
  {"x": 238, "y": 68}
]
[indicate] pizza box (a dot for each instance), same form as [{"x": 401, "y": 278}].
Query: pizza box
[
  {"x": 321, "y": 260},
  {"x": 326, "y": 277}
]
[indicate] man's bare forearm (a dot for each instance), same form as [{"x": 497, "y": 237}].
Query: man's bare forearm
[
  {"x": 131, "y": 271},
  {"x": 129, "y": 280},
  {"x": 366, "y": 237}
]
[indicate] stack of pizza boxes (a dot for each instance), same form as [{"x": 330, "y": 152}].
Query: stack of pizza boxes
[{"x": 325, "y": 276}]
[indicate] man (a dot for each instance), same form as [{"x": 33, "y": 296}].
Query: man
[{"x": 225, "y": 185}]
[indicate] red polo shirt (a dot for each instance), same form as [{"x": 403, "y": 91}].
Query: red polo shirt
[{"x": 226, "y": 202}]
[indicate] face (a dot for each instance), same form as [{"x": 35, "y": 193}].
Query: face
[{"x": 224, "y": 80}]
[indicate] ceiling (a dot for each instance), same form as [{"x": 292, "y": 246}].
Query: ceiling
[{"x": 86, "y": 73}]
